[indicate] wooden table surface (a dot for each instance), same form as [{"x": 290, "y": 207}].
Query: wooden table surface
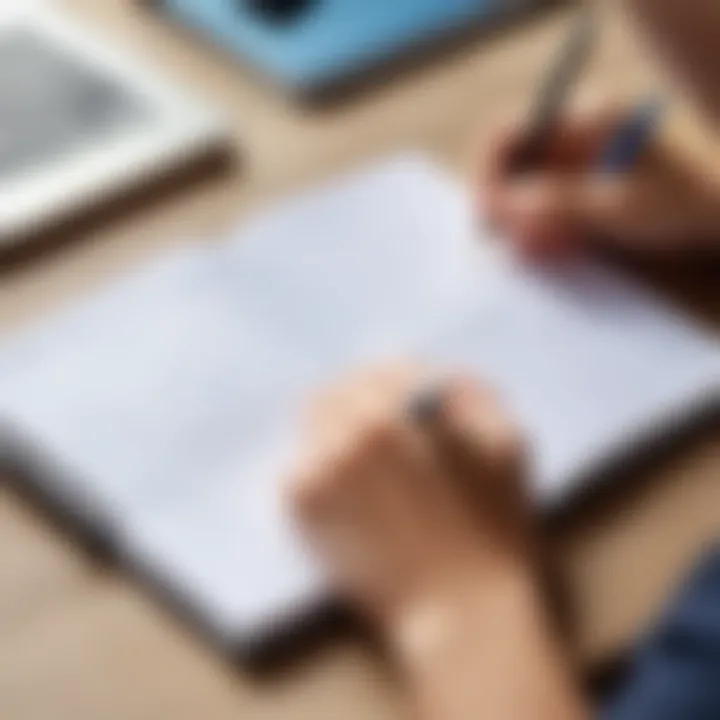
[{"x": 81, "y": 642}]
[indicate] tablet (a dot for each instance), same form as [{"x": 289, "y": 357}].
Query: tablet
[
  {"x": 312, "y": 47},
  {"x": 82, "y": 122}
]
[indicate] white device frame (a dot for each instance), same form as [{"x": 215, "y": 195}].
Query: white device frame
[{"x": 181, "y": 130}]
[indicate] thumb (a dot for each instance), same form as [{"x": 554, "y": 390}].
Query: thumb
[
  {"x": 546, "y": 215},
  {"x": 474, "y": 427}
]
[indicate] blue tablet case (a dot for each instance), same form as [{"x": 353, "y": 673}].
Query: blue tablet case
[{"x": 333, "y": 40}]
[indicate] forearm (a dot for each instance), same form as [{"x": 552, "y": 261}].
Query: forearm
[
  {"x": 686, "y": 34},
  {"x": 487, "y": 652}
]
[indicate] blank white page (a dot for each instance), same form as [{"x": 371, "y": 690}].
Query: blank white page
[
  {"x": 591, "y": 365},
  {"x": 173, "y": 398},
  {"x": 391, "y": 262}
]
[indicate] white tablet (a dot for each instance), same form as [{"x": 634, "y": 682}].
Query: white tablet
[{"x": 80, "y": 122}]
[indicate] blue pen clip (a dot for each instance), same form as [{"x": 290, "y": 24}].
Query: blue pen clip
[{"x": 632, "y": 138}]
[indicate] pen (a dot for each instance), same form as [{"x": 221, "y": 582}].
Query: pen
[
  {"x": 621, "y": 154},
  {"x": 555, "y": 90},
  {"x": 426, "y": 403}
]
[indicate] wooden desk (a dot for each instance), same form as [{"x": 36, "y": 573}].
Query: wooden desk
[{"x": 82, "y": 643}]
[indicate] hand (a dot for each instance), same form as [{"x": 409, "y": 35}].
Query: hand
[
  {"x": 403, "y": 516},
  {"x": 666, "y": 205}
]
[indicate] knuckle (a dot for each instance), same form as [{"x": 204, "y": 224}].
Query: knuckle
[
  {"x": 378, "y": 435},
  {"x": 349, "y": 462},
  {"x": 476, "y": 413},
  {"x": 297, "y": 492},
  {"x": 307, "y": 488},
  {"x": 465, "y": 397},
  {"x": 461, "y": 386},
  {"x": 508, "y": 443},
  {"x": 342, "y": 465},
  {"x": 508, "y": 449}
]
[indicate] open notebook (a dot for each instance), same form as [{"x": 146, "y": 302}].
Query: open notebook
[{"x": 165, "y": 410}]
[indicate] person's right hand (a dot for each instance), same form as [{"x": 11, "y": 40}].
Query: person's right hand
[
  {"x": 665, "y": 205},
  {"x": 408, "y": 517},
  {"x": 426, "y": 527}
]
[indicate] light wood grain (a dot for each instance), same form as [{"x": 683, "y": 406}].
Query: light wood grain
[
  {"x": 83, "y": 645},
  {"x": 37, "y": 568}
]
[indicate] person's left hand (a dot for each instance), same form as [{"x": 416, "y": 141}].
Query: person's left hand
[{"x": 668, "y": 205}]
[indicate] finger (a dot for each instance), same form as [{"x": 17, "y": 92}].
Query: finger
[
  {"x": 476, "y": 425},
  {"x": 494, "y": 167},
  {"x": 359, "y": 422},
  {"x": 558, "y": 214},
  {"x": 576, "y": 147},
  {"x": 542, "y": 216},
  {"x": 481, "y": 444},
  {"x": 366, "y": 513},
  {"x": 310, "y": 492},
  {"x": 415, "y": 488},
  {"x": 366, "y": 396},
  {"x": 341, "y": 487},
  {"x": 582, "y": 136},
  {"x": 577, "y": 143}
]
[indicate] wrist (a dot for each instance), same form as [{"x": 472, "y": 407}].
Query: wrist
[
  {"x": 447, "y": 620},
  {"x": 486, "y": 649},
  {"x": 710, "y": 229}
]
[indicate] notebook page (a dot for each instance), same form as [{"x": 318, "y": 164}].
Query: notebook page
[
  {"x": 143, "y": 392},
  {"x": 573, "y": 350},
  {"x": 176, "y": 396},
  {"x": 588, "y": 362}
]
